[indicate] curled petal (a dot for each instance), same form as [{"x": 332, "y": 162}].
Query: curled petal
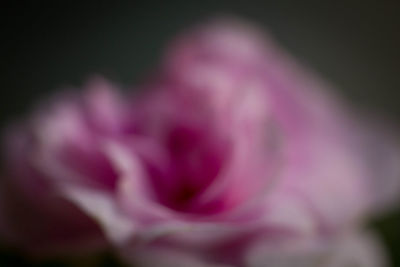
[{"x": 100, "y": 206}]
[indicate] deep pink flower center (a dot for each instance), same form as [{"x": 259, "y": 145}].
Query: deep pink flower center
[{"x": 195, "y": 160}]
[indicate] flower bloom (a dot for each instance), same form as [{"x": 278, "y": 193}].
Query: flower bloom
[{"x": 231, "y": 156}]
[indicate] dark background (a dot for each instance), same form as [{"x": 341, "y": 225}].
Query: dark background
[{"x": 355, "y": 45}]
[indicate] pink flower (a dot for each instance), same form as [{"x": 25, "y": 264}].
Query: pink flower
[{"x": 232, "y": 156}]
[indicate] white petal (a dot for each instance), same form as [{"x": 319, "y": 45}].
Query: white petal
[{"x": 102, "y": 207}]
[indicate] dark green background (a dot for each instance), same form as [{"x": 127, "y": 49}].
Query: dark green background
[{"x": 47, "y": 44}]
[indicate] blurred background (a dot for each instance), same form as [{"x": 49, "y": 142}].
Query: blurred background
[{"x": 355, "y": 45}]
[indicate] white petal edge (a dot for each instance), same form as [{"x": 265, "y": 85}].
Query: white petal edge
[{"x": 102, "y": 207}]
